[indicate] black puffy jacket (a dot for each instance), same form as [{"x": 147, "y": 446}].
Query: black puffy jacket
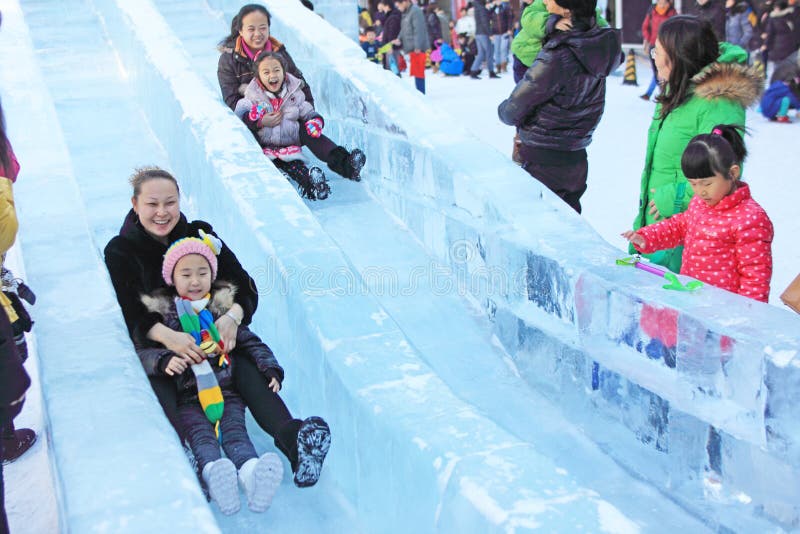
[
  {"x": 560, "y": 101},
  {"x": 133, "y": 259}
]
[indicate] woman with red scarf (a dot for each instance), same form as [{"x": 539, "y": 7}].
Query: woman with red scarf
[{"x": 249, "y": 36}]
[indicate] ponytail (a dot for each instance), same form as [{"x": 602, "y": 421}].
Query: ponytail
[{"x": 714, "y": 153}]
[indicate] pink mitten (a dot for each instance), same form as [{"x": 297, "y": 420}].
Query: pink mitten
[{"x": 314, "y": 127}]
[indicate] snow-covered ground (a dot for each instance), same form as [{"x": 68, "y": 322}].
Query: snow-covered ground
[{"x": 616, "y": 157}]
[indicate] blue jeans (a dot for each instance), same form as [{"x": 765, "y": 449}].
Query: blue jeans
[
  {"x": 484, "y": 54},
  {"x": 500, "y": 44}
]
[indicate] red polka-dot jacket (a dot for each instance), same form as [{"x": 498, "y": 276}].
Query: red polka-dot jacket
[{"x": 728, "y": 245}]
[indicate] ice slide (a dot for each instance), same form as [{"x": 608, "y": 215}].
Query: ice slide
[{"x": 477, "y": 376}]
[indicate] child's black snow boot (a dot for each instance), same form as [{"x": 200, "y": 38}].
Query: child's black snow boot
[
  {"x": 313, "y": 442},
  {"x": 318, "y": 183},
  {"x": 347, "y": 164}
]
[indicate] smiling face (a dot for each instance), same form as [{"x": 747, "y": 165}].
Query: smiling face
[
  {"x": 192, "y": 277},
  {"x": 255, "y": 30},
  {"x": 158, "y": 207},
  {"x": 270, "y": 72},
  {"x": 714, "y": 188}
]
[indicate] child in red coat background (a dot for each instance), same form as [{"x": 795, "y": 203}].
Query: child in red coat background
[{"x": 727, "y": 236}]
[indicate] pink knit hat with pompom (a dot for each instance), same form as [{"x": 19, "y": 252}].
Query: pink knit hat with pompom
[{"x": 208, "y": 247}]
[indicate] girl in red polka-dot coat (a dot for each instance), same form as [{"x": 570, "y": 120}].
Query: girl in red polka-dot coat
[{"x": 727, "y": 236}]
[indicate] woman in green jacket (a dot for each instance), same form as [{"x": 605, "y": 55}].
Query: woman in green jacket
[{"x": 705, "y": 83}]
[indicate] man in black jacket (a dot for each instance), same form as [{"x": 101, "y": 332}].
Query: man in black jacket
[
  {"x": 558, "y": 104},
  {"x": 711, "y": 10}
]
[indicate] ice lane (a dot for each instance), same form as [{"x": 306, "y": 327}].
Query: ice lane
[{"x": 107, "y": 137}]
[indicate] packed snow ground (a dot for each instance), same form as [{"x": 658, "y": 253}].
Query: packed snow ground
[{"x": 616, "y": 157}]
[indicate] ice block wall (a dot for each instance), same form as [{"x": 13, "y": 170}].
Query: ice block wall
[
  {"x": 698, "y": 383},
  {"x": 342, "y": 14}
]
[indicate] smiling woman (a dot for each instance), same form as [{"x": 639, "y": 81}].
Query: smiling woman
[
  {"x": 249, "y": 38},
  {"x": 135, "y": 259}
]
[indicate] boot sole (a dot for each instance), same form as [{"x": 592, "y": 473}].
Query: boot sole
[
  {"x": 313, "y": 442},
  {"x": 223, "y": 486},
  {"x": 267, "y": 477}
]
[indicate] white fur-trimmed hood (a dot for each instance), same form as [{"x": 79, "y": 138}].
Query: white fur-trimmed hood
[{"x": 162, "y": 300}]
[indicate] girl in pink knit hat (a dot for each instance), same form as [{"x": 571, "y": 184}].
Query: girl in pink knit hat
[{"x": 210, "y": 410}]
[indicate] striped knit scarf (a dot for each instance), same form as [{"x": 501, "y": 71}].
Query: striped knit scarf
[{"x": 196, "y": 320}]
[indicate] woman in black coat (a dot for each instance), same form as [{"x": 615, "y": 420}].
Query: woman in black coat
[
  {"x": 249, "y": 36},
  {"x": 134, "y": 259},
  {"x": 560, "y": 100}
]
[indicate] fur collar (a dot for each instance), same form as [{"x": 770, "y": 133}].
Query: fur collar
[
  {"x": 738, "y": 82},
  {"x": 161, "y": 300},
  {"x": 777, "y": 13}
]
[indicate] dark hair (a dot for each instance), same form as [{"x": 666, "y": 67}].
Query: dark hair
[
  {"x": 714, "y": 153},
  {"x": 145, "y": 174},
  {"x": 369, "y": 29},
  {"x": 580, "y": 9},
  {"x": 690, "y": 45},
  {"x": 267, "y": 54},
  {"x": 236, "y": 23}
]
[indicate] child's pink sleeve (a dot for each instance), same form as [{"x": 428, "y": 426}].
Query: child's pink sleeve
[
  {"x": 668, "y": 233},
  {"x": 754, "y": 255}
]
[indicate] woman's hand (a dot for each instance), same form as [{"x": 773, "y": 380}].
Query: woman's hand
[
  {"x": 635, "y": 238},
  {"x": 653, "y": 210},
  {"x": 242, "y": 88},
  {"x": 176, "y": 366},
  {"x": 181, "y": 343},
  {"x": 228, "y": 327},
  {"x": 274, "y": 385},
  {"x": 271, "y": 120}
]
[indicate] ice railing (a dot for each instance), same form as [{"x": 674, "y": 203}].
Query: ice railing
[{"x": 704, "y": 382}]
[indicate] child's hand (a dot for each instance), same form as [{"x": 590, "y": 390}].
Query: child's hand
[
  {"x": 274, "y": 385},
  {"x": 564, "y": 24},
  {"x": 635, "y": 238},
  {"x": 176, "y": 366},
  {"x": 314, "y": 127}
]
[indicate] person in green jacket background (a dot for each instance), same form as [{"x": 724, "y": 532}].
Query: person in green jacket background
[
  {"x": 527, "y": 43},
  {"x": 705, "y": 83}
]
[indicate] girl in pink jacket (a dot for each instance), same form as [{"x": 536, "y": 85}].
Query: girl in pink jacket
[{"x": 727, "y": 236}]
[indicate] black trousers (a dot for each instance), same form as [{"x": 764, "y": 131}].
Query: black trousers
[
  {"x": 564, "y": 173},
  {"x": 14, "y": 381},
  {"x": 268, "y": 408},
  {"x": 320, "y": 146}
]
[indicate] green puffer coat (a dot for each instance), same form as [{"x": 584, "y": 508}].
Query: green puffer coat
[
  {"x": 533, "y": 22},
  {"x": 720, "y": 94}
]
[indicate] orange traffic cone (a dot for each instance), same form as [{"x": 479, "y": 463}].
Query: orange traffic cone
[{"x": 630, "y": 69}]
